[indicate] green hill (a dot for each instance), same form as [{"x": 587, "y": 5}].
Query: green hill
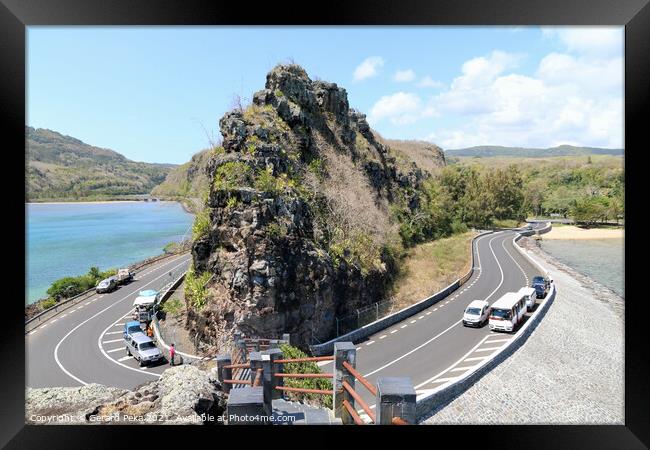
[
  {"x": 486, "y": 151},
  {"x": 187, "y": 183},
  {"x": 62, "y": 168}
]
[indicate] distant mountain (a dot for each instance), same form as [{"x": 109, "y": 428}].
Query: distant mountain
[
  {"x": 64, "y": 168},
  {"x": 487, "y": 151},
  {"x": 187, "y": 181}
]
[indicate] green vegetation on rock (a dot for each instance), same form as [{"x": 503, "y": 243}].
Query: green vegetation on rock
[{"x": 196, "y": 290}]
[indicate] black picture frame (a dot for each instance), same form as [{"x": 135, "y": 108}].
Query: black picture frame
[{"x": 15, "y": 15}]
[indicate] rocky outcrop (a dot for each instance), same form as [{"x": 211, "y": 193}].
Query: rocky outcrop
[
  {"x": 299, "y": 213},
  {"x": 183, "y": 395}
]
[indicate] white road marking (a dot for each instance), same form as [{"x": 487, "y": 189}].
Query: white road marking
[
  {"x": 421, "y": 317},
  {"x": 435, "y": 309},
  {"x": 394, "y": 331},
  {"x": 500, "y": 269},
  {"x": 497, "y": 340},
  {"x": 442, "y": 380},
  {"x": 404, "y": 326},
  {"x": 515, "y": 261},
  {"x": 487, "y": 349},
  {"x": 428, "y": 313},
  {"x": 478, "y": 358},
  {"x": 454, "y": 364},
  {"x": 412, "y": 351},
  {"x": 370, "y": 343},
  {"x": 114, "y": 332},
  {"x": 358, "y": 348},
  {"x": 458, "y": 369},
  {"x": 54, "y": 320},
  {"x": 63, "y": 315},
  {"x": 412, "y": 321},
  {"x": 117, "y": 324},
  {"x": 58, "y": 345},
  {"x": 114, "y": 350},
  {"x": 124, "y": 358},
  {"x": 111, "y": 341},
  {"x": 382, "y": 337}
]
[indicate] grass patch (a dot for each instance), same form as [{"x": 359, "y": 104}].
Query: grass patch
[
  {"x": 429, "y": 267},
  {"x": 505, "y": 223},
  {"x": 173, "y": 307},
  {"x": 290, "y": 352}
]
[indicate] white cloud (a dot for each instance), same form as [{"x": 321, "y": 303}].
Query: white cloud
[
  {"x": 368, "y": 68},
  {"x": 570, "y": 99},
  {"x": 403, "y": 76},
  {"x": 428, "y": 82},
  {"x": 594, "y": 41},
  {"x": 400, "y": 108}
]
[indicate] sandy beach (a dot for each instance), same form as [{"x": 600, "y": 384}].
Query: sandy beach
[{"x": 573, "y": 232}]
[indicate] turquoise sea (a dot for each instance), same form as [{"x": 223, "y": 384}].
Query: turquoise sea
[
  {"x": 66, "y": 239},
  {"x": 600, "y": 259}
]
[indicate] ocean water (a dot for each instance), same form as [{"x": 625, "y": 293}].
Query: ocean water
[
  {"x": 600, "y": 259},
  {"x": 66, "y": 239}
]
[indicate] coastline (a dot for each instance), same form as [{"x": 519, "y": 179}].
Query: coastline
[
  {"x": 96, "y": 202},
  {"x": 578, "y": 363},
  {"x": 573, "y": 232}
]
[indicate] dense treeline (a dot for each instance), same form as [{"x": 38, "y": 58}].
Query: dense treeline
[
  {"x": 460, "y": 197},
  {"x": 487, "y": 192},
  {"x": 587, "y": 189}
]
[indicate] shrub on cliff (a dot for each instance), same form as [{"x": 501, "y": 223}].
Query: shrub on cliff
[{"x": 289, "y": 352}]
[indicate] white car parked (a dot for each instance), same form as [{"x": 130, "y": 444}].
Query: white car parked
[{"x": 476, "y": 314}]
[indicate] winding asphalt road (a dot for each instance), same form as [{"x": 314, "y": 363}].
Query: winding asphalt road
[
  {"x": 433, "y": 347},
  {"x": 84, "y": 344}
]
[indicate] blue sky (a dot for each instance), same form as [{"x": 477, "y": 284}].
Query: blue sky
[{"x": 151, "y": 93}]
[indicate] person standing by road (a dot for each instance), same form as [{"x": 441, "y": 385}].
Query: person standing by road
[{"x": 172, "y": 352}]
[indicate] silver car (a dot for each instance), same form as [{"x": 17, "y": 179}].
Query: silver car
[{"x": 142, "y": 348}]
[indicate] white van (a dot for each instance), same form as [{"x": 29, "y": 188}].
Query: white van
[
  {"x": 531, "y": 296},
  {"x": 476, "y": 313},
  {"x": 507, "y": 312}
]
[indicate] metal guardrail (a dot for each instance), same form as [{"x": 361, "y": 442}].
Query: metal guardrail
[{"x": 66, "y": 304}]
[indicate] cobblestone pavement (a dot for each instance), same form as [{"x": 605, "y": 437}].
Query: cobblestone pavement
[{"x": 569, "y": 371}]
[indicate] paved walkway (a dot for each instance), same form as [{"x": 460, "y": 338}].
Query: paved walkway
[{"x": 570, "y": 371}]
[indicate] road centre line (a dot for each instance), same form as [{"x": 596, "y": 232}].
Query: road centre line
[{"x": 56, "y": 349}]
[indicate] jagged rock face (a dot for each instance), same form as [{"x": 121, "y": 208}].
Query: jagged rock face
[
  {"x": 183, "y": 395},
  {"x": 269, "y": 247}
]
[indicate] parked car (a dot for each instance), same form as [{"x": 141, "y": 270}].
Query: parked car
[
  {"x": 476, "y": 314},
  {"x": 124, "y": 276},
  {"x": 143, "y": 349},
  {"x": 541, "y": 285},
  {"x": 131, "y": 328},
  {"x": 107, "y": 285}
]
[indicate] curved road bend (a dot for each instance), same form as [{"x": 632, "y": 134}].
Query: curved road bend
[
  {"x": 84, "y": 344},
  {"x": 433, "y": 347}
]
